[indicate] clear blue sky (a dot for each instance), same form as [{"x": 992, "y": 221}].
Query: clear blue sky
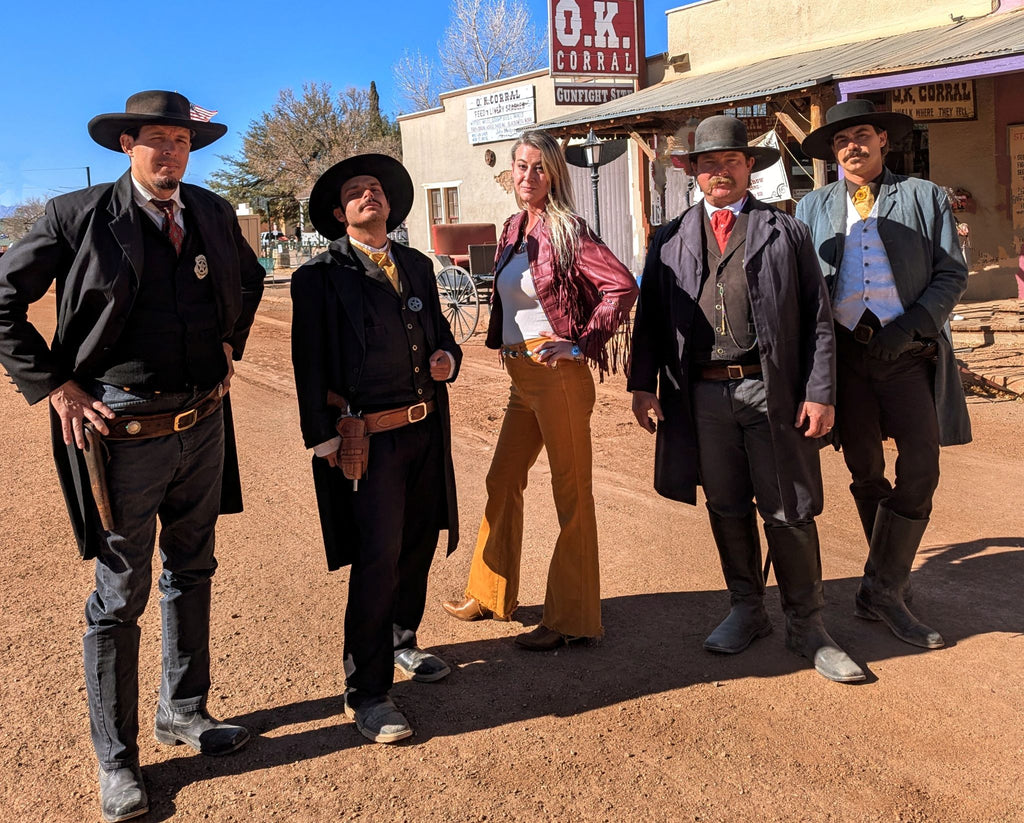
[{"x": 63, "y": 62}]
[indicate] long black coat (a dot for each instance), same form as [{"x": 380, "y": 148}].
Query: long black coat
[
  {"x": 90, "y": 243},
  {"x": 793, "y": 321},
  {"x": 328, "y": 354}
]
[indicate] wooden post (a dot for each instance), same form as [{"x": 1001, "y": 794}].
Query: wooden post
[{"x": 817, "y": 120}]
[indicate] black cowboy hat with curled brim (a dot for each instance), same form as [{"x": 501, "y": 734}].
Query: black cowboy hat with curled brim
[
  {"x": 818, "y": 144},
  {"x": 153, "y": 108},
  {"x": 725, "y": 133},
  {"x": 326, "y": 194}
]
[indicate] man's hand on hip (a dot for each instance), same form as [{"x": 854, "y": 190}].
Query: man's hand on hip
[
  {"x": 74, "y": 406},
  {"x": 229, "y": 353},
  {"x": 645, "y": 404}
]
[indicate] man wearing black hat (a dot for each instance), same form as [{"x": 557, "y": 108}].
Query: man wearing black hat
[
  {"x": 369, "y": 341},
  {"x": 156, "y": 292},
  {"x": 733, "y": 332},
  {"x": 889, "y": 250}
]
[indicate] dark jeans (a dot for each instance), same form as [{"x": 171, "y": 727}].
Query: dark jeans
[
  {"x": 397, "y": 509},
  {"x": 735, "y": 452},
  {"x": 894, "y": 399},
  {"x": 176, "y": 479}
]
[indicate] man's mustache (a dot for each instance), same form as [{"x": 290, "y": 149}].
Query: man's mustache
[{"x": 721, "y": 179}]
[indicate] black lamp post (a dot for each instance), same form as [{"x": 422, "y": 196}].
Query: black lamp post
[{"x": 592, "y": 153}]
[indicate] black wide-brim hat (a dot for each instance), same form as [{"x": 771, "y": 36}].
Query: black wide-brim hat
[
  {"x": 326, "y": 194},
  {"x": 725, "y": 133},
  {"x": 818, "y": 144},
  {"x": 153, "y": 108}
]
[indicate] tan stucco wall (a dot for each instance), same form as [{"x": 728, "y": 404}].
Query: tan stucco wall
[
  {"x": 436, "y": 149},
  {"x": 960, "y": 156},
  {"x": 718, "y": 34}
]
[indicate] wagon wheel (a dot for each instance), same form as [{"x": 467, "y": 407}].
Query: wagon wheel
[{"x": 460, "y": 302}]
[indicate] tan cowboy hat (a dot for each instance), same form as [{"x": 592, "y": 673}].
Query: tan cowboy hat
[{"x": 153, "y": 108}]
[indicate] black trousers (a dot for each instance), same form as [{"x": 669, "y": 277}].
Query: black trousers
[
  {"x": 398, "y": 509},
  {"x": 894, "y": 399}
]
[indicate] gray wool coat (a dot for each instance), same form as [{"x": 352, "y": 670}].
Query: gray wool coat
[
  {"x": 793, "y": 320},
  {"x": 918, "y": 231}
]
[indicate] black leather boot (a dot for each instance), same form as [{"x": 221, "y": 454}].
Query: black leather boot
[
  {"x": 797, "y": 559},
  {"x": 200, "y": 731},
  {"x": 868, "y": 511},
  {"x": 894, "y": 544},
  {"x": 122, "y": 794},
  {"x": 739, "y": 550}
]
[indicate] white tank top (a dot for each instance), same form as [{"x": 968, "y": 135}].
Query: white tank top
[{"x": 522, "y": 317}]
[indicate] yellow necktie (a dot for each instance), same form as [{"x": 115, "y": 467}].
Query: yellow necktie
[
  {"x": 863, "y": 200},
  {"x": 386, "y": 265}
]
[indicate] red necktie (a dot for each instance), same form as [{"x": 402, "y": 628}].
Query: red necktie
[
  {"x": 172, "y": 230},
  {"x": 721, "y": 224}
]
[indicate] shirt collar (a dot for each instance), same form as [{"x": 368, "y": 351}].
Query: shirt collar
[
  {"x": 370, "y": 249},
  {"x": 142, "y": 196},
  {"x": 735, "y": 208}
]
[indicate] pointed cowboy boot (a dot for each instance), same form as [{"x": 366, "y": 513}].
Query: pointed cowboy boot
[
  {"x": 797, "y": 559},
  {"x": 894, "y": 544}
]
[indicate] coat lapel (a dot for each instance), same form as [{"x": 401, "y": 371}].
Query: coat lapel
[
  {"x": 124, "y": 223},
  {"x": 760, "y": 224},
  {"x": 407, "y": 264},
  {"x": 684, "y": 251},
  {"x": 836, "y": 207},
  {"x": 346, "y": 284}
]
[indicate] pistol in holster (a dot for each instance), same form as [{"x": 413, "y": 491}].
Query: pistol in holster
[
  {"x": 354, "y": 452},
  {"x": 96, "y": 456}
]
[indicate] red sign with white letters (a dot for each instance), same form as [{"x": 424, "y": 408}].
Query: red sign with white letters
[{"x": 594, "y": 38}]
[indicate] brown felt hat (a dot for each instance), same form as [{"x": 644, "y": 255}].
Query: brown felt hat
[{"x": 153, "y": 108}]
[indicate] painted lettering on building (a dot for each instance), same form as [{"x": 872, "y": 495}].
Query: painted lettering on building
[
  {"x": 499, "y": 115},
  {"x": 952, "y": 100},
  {"x": 594, "y": 38},
  {"x": 588, "y": 94}
]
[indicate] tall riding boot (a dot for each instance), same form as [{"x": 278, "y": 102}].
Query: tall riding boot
[
  {"x": 797, "y": 559},
  {"x": 894, "y": 544},
  {"x": 867, "y": 510},
  {"x": 739, "y": 550}
]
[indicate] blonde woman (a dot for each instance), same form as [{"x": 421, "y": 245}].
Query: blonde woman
[{"x": 558, "y": 299}]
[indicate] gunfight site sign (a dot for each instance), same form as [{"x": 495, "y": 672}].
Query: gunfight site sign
[
  {"x": 594, "y": 38},
  {"x": 500, "y": 114}
]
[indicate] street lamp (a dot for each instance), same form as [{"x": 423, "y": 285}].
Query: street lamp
[{"x": 592, "y": 154}]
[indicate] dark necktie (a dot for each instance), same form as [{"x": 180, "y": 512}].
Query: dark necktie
[
  {"x": 721, "y": 224},
  {"x": 172, "y": 231}
]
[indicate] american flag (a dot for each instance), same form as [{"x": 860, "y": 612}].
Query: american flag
[{"x": 199, "y": 113}]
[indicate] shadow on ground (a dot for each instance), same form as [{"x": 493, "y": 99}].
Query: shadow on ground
[{"x": 652, "y": 645}]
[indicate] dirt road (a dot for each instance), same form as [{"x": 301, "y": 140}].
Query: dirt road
[{"x": 644, "y": 726}]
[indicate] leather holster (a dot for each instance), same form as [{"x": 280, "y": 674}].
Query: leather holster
[
  {"x": 95, "y": 454},
  {"x": 354, "y": 452}
]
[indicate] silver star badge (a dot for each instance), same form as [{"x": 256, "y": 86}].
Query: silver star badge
[{"x": 202, "y": 268}]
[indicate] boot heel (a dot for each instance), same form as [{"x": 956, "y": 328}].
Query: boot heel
[{"x": 166, "y": 738}]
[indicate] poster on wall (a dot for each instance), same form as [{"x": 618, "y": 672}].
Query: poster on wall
[
  {"x": 936, "y": 102},
  {"x": 1015, "y": 144},
  {"x": 500, "y": 114}
]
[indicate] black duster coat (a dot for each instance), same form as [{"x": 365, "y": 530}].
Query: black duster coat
[
  {"x": 793, "y": 320},
  {"x": 328, "y": 354},
  {"x": 90, "y": 243}
]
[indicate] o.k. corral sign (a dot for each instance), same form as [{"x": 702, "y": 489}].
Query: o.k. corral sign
[
  {"x": 596, "y": 38},
  {"x": 500, "y": 115}
]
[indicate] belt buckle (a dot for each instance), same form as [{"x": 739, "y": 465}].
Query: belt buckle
[
  {"x": 186, "y": 420},
  {"x": 409, "y": 413},
  {"x": 735, "y": 372},
  {"x": 863, "y": 333}
]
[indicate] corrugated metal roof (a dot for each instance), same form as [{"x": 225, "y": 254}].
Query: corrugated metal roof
[{"x": 996, "y": 35}]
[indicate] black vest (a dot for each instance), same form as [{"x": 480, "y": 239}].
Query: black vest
[
  {"x": 171, "y": 338},
  {"x": 396, "y": 370},
  {"x": 724, "y": 327}
]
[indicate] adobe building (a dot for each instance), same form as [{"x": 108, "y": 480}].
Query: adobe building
[{"x": 957, "y": 68}]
